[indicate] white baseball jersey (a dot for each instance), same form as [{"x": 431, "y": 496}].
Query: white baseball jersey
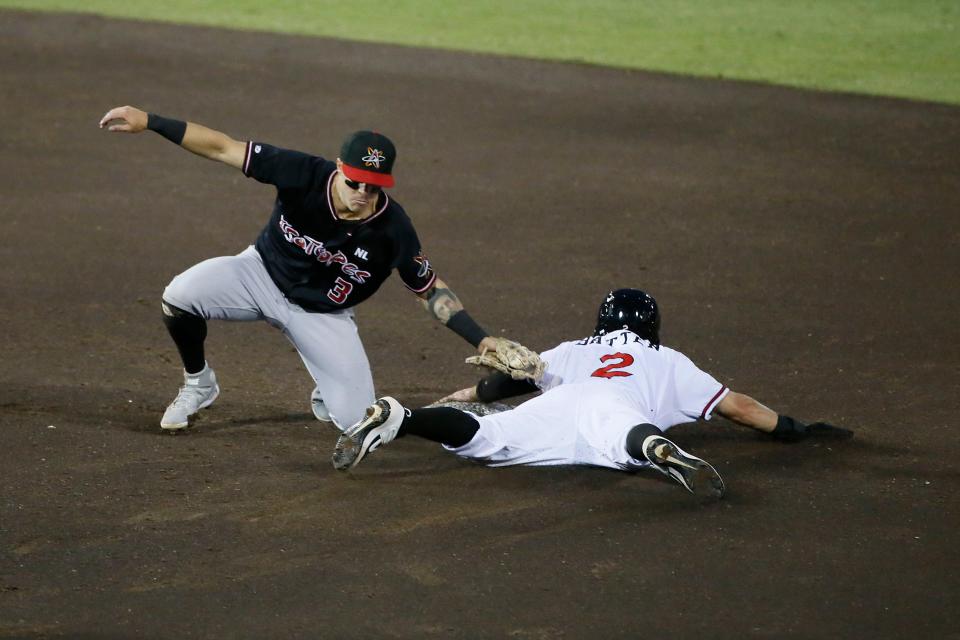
[{"x": 595, "y": 391}]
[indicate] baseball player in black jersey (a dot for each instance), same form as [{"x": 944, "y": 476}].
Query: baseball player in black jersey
[{"x": 333, "y": 238}]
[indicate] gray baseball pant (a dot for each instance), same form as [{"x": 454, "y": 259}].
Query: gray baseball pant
[{"x": 238, "y": 288}]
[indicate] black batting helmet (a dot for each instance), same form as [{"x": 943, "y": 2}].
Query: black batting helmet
[{"x": 630, "y": 309}]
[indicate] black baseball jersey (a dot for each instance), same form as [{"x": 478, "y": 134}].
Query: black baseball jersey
[{"x": 319, "y": 261}]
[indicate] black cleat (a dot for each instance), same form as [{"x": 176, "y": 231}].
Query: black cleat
[{"x": 696, "y": 475}]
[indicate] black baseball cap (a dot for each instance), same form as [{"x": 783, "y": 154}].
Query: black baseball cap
[{"x": 368, "y": 157}]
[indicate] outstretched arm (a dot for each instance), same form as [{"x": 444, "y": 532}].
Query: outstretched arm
[
  {"x": 512, "y": 358},
  {"x": 745, "y": 410},
  {"x": 496, "y": 386},
  {"x": 444, "y": 305},
  {"x": 193, "y": 137}
]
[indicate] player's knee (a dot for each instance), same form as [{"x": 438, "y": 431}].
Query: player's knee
[
  {"x": 175, "y": 291},
  {"x": 637, "y": 435},
  {"x": 184, "y": 291},
  {"x": 184, "y": 327},
  {"x": 172, "y": 311}
]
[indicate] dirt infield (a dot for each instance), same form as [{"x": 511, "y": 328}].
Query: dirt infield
[{"x": 801, "y": 245}]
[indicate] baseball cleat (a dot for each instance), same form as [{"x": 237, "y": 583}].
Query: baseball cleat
[
  {"x": 319, "y": 408},
  {"x": 379, "y": 427},
  {"x": 199, "y": 390},
  {"x": 696, "y": 475}
]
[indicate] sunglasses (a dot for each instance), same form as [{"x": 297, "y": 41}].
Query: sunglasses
[{"x": 371, "y": 188}]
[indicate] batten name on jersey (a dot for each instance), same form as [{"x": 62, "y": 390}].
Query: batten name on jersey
[{"x": 621, "y": 337}]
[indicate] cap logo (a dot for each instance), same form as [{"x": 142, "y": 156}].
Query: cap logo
[{"x": 373, "y": 158}]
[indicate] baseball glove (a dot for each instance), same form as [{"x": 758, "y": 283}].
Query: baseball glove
[{"x": 512, "y": 358}]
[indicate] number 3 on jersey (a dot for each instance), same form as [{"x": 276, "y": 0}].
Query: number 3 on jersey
[
  {"x": 623, "y": 360},
  {"x": 341, "y": 289}
]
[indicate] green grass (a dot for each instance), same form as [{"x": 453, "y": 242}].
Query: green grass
[{"x": 906, "y": 48}]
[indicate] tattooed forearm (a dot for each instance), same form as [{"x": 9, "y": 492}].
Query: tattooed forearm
[{"x": 442, "y": 303}]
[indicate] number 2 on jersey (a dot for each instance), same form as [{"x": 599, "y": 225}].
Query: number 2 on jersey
[
  {"x": 623, "y": 360},
  {"x": 340, "y": 291}
]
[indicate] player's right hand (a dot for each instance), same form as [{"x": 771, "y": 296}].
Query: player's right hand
[{"x": 125, "y": 119}]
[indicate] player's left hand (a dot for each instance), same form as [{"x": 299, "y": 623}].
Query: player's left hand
[
  {"x": 791, "y": 430},
  {"x": 512, "y": 358},
  {"x": 463, "y": 395},
  {"x": 825, "y": 430},
  {"x": 487, "y": 344}
]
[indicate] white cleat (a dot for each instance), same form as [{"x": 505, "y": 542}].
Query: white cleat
[
  {"x": 697, "y": 476},
  {"x": 199, "y": 390},
  {"x": 379, "y": 427}
]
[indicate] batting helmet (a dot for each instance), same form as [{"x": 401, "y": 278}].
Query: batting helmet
[{"x": 630, "y": 309}]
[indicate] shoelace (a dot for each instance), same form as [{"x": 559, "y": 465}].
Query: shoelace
[{"x": 185, "y": 393}]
